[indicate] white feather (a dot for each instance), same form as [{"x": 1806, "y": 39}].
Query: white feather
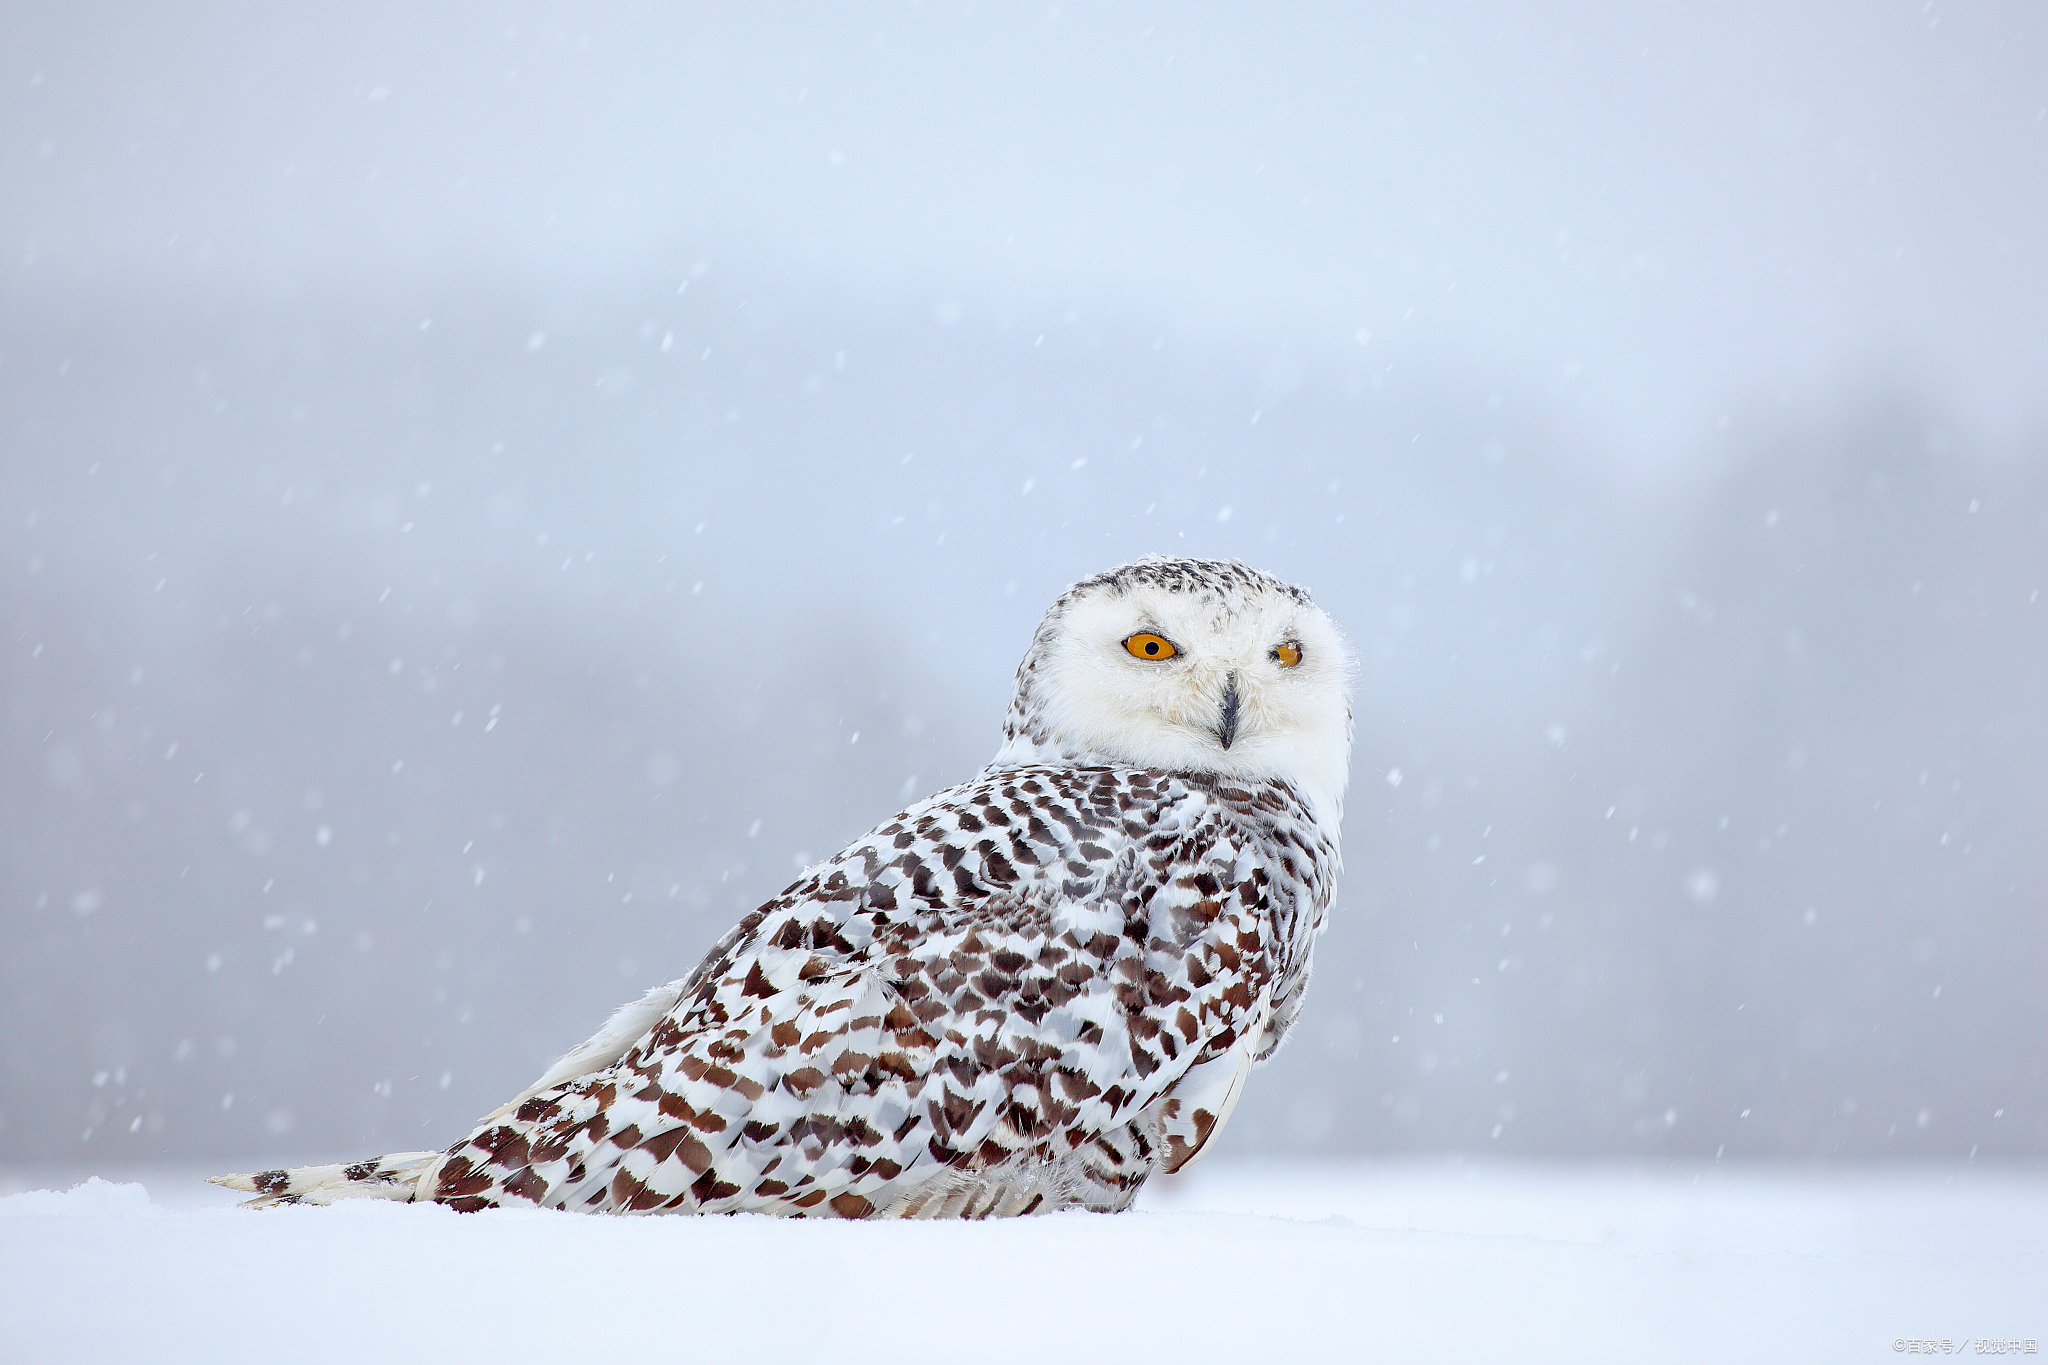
[
  {"x": 1095, "y": 702},
  {"x": 627, "y": 1026},
  {"x": 401, "y": 1176}
]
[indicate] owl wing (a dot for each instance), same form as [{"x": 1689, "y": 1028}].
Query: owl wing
[{"x": 985, "y": 997}]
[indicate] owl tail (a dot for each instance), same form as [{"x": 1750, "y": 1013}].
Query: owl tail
[{"x": 403, "y": 1176}]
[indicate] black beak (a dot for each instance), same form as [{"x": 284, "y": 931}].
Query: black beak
[{"x": 1227, "y": 729}]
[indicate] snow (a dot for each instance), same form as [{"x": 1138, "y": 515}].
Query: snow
[{"x": 1242, "y": 1263}]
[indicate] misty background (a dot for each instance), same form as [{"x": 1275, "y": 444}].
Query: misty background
[{"x": 486, "y": 495}]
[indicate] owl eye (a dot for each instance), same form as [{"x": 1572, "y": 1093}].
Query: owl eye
[
  {"x": 1145, "y": 645},
  {"x": 1287, "y": 655}
]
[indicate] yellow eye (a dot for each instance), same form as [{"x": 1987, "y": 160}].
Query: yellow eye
[
  {"x": 1287, "y": 655},
  {"x": 1145, "y": 645}
]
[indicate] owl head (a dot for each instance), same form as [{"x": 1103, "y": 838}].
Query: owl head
[{"x": 1202, "y": 665}]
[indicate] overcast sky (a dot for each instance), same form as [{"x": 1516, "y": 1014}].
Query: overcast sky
[{"x": 1651, "y": 212}]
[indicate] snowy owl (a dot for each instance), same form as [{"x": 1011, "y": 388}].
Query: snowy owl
[{"x": 1026, "y": 993}]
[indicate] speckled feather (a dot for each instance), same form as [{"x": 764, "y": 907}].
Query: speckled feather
[{"x": 1025, "y": 993}]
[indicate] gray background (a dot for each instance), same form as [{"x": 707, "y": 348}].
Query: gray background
[{"x": 486, "y": 495}]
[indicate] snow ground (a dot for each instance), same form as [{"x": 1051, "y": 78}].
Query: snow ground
[{"x": 1297, "y": 1262}]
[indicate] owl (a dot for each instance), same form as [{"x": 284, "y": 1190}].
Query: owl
[{"x": 1026, "y": 993}]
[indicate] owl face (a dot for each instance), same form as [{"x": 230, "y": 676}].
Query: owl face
[{"x": 1201, "y": 665}]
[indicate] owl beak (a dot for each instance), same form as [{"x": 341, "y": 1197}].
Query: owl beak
[{"x": 1226, "y": 728}]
